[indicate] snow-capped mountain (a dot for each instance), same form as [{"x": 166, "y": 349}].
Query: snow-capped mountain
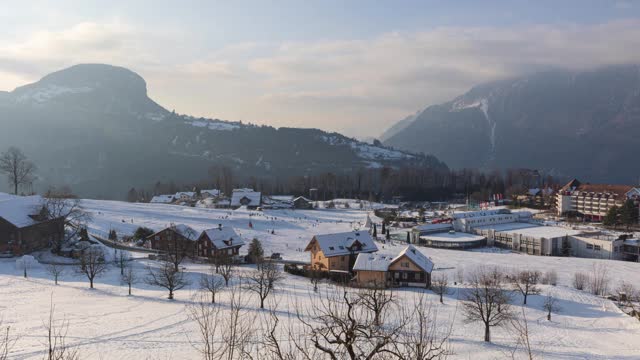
[
  {"x": 579, "y": 124},
  {"x": 94, "y": 127}
]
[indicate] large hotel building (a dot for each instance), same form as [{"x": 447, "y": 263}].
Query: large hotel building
[{"x": 593, "y": 200}]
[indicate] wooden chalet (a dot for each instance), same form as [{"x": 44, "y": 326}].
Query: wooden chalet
[
  {"x": 409, "y": 268},
  {"x": 338, "y": 252},
  {"x": 220, "y": 241}
]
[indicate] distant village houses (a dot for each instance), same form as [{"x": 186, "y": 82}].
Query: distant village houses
[{"x": 246, "y": 197}]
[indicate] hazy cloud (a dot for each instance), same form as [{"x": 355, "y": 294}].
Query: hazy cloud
[{"x": 359, "y": 86}]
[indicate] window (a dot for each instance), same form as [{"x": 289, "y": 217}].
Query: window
[
  {"x": 597, "y": 247},
  {"x": 590, "y": 246},
  {"x": 405, "y": 264},
  {"x": 405, "y": 276},
  {"x": 331, "y": 248}
]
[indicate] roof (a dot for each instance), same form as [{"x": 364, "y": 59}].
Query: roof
[
  {"x": 453, "y": 237},
  {"x": 185, "y": 193},
  {"x": 212, "y": 192},
  {"x": 618, "y": 190},
  {"x": 254, "y": 197},
  {"x": 162, "y": 199},
  {"x": 372, "y": 262},
  {"x": 434, "y": 227},
  {"x": 16, "y": 209},
  {"x": 470, "y": 214},
  {"x": 285, "y": 198},
  {"x": 418, "y": 258},
  {"x": 302, "y": 198},
  {"x": 181, "y": 229},
  {"x": 223, "y": 237},
  {"x": 542, "y": 231},
  {"x": 340, "y": 243}
]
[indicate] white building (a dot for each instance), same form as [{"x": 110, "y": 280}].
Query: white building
[{"x": 593, "y": 200}]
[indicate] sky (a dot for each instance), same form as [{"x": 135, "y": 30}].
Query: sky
[{"x": 354, "y": 67}]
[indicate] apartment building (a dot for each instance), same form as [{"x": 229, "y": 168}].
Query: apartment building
[{"x": 593, "y": 200}]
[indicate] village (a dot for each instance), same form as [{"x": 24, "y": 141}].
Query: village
[{"x": 292, "y": 254}]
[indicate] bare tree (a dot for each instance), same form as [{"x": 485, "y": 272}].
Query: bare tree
[
  {"x": 422, "y": 339},
  {"x": 223, "y": 334},
  {"x": 580, "y": 280},
  {"x": 19, "y": 170},
  {"x": 62, "y": 203},
  {"x": 264, "y": 280},
  {"x": 55, "y": 270},
  {"x": 211, "y": 283},
  {"x": 488, "y": 300},
  {"x": 526, "y": 282},
  {"x": 226, "y": 270},
  {"x": 599, "y": 280},
  {"x": 550, "y": 305},
  {"x": 7, "y": 341},
  {"x": 129, "y": 276},
  {"x": 122, "y": 259},
  {"x": 521, "y": 328},
  {"x": 550, "y": 278},
  {"x": 460, "y": 274},
  {"x": 440, "y": 285},
  {"x": 178, "y": 248},
  {"x": 341, "y": 327},
  {"x": 376, "y": 300},
  {"x": 56, "y": 339},
  {"x": 92, "y": 264},
  {"x": 167, "y": 277}
]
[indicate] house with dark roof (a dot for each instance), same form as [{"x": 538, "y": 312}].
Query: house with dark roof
[
  {"x": 25, "y": 227},
  {"x": 175, "y": 238},
  {"x": 338, "y": 252},
  {"x": 409, "y": 268},
  {"x": 219, "y": 241}
]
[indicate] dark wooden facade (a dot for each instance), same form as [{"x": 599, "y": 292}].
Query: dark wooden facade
[
  {"x": 169, "y": 240},
  {"x": 207, "y": 248},
  {"x": 23, "y": 240}
]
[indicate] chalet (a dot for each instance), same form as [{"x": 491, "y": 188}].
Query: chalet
[
  {"x": 219, "y": 241},
  {"x": 302, "y": 202},
  {"x": 175, "y": 238},
  {"x": 24, "y": 227},
  {"x": 185, "y": 196},
  {"x": 277, "y": 202},
  {"x": 210, "y": 193},
  {"x": 338, "y": 252},
  {"x": 409, "y": 268},
  {"x": 246, "y": 197}
]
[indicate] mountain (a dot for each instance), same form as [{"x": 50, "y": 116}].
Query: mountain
[
  {"x": 399, "y": 126},
  {"x": 581, "y": 124},
  {"x": 94, "y": 128}
]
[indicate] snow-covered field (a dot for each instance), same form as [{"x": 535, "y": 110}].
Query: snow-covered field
[{"x": 105, "y": 323}]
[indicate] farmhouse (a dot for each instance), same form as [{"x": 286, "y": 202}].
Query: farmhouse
[
  {"x": 24, "y": 227},
  {"x": 210, "y": 193},
  {"x": 302, "y": 202},
  {"x": 185, "y": 195},
  {"x": 338, "y": 252},
  {"x": 219, "y": 242},
  {"x": 246, "y": 197},
  {"x": 409, "y": 268},
  {"x": 180, "y": 238}
]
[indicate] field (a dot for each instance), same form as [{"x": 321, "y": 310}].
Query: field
[{"x": 105, "y": 323}]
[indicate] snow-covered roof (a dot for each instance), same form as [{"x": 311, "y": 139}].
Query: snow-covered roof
[
  {"x": 471, "y": 214},
  {"x": 186, "y": 231},
  {"x": 189, "y": 194},
  {"x": 224, "y": 237},
  {"x": 341, "y": 243},
  {"x": 162, "y": 199},
  {"x": 211, "y": 192},
  {"x": 16, "y": 209},
  {"x": 254, "y": 197},
  {"x": 283, "y": 198},
  {"x": 416, "y": 257},
  {"x": 434, "y": 227},
  {"x": 372, "y": 262},
  {"x": 302, "y": 198}
]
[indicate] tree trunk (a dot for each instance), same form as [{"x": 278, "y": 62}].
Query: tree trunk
[
  {"x": 15, "y": 187},
  {"x": 170, "y": 294},
  {"x": 129, "y": 289},
  {"x": 549, "y": 316},
  {"x": 441, "y": 302},
  {"x": 261, "y": 303},
  {"x": 487, "y": 333},
  {"x": 91, "y": 283},
  {"x": 213, "y": 298},
  {"x": 525, "y": 299}
]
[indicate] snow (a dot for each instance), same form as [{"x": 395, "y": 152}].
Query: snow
[
  {"x": 16, "y": 209},
  {"x": 45, "y": 93},
  {"x": 254, "y": 197},
  {"x": 416, "y": 256},
  {"x": 224, "y": 237},
  {"x": 162, "y": 199},
  {"x": 340, "y": 243},
  {"x": 368, "y": 151},
  {"x": 453, "y": 237},
  {"x": 105, "y": 323},
  {"x": 372, "y": 262},
  {"x": 213, "y": 125}
]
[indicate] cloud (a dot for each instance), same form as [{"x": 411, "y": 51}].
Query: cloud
[{"x": 359, "y": 85}]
